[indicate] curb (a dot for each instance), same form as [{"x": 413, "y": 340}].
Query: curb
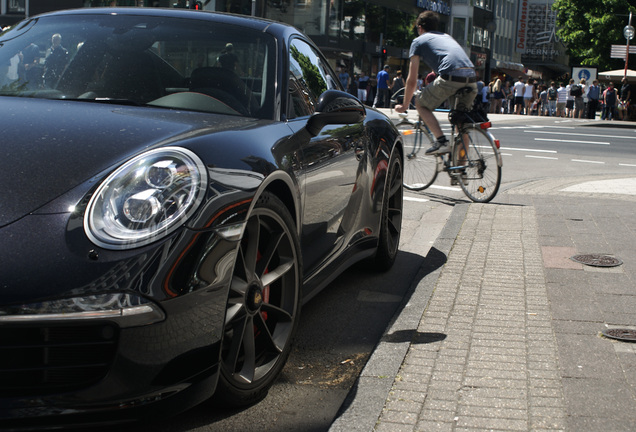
[{"x": 365, "y": 401}]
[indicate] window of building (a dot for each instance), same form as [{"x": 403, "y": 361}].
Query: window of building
[
  {"x": 353, "y": 25},
  {"x": 484, "y": 4},
  {"x": 459, "y": 30},
  {"x": 478, "y": 36},
  {"x": 16, "y": 6}
]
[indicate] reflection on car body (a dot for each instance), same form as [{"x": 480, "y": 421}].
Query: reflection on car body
[{"x": 164, "y": 218}]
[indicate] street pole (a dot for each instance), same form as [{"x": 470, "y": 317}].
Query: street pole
[{"x": 628, "y": 32}]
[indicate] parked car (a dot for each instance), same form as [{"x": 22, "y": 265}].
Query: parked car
[{"x": 176, "y": 184}]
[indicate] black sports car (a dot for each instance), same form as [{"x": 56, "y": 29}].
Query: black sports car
[{"x": 176, "y": 184}]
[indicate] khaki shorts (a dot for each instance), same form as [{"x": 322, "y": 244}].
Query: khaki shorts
[{"x": 434, "y": 94}]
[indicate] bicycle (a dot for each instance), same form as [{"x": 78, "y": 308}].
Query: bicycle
[{"x": 474, "y": 162}]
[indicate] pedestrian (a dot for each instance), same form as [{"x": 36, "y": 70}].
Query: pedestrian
[
  {"x": 485, "y": 94},
  {"x": 543, "y": 101},
  {"x": 562, "y": 98},
  {"x": 609, "y": 102},
  {"x": 353, "y": 85},
  {"x": 372, "y": 89},
  {"x": 497, "y": 97},
  {"x": 382, "y": 98},
  {"x": 552, "y": 99},
  {"x": 593, "y": 95},
  {"x": 363, "y": 83},
  {"x": 454, "y": 71},
  {"x": 55, "y": 61},
  {"x": 420, "y": 81},
  {"x": 625, "y": 98},
  {"x": 530, "y": 96},
  {"x": 430, "y": 78},
  {"x": 344, "y": 78},
  {"x": 569, "y": 103},
  {"x": 578, "y": 90},
  {"x": 519, "y": 89},
  {"x": 507, "y": 98},
  {"x": 397, "y": 85}
]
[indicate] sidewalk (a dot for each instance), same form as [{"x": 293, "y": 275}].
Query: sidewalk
[
  {"x": 506, "y": 335},
  {"x": 498, "y": 119}
]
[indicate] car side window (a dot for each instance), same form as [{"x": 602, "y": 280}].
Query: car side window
[{"x": 309, "y": 77}]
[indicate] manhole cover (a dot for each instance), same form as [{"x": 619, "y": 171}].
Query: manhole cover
[
  {"x": 597, "y": 260},
  {"x": 621, "y": 334}
]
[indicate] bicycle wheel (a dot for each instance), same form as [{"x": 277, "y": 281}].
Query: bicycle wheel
[
  {"x": 420, "y": 170},
  {"x": 481, "y": 165}
]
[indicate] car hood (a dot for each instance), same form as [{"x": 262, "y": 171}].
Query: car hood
[{"x": 49, "y": 147}]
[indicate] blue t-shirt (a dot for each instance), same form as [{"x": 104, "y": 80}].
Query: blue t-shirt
[
  {"x": 440, "y": 52},
  {"x": 593, "y": 92},
  {"x": 344, "y": 79},
  {"x": 383, "y": 77}
]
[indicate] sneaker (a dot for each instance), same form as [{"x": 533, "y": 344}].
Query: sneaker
[{"x": 440, "y": 147}]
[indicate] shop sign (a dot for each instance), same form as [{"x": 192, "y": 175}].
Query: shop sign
[
  {"x": 536, "y": 30},
  {"x": 439, "y": 6}
]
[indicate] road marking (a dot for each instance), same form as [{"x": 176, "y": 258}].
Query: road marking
[
  {"x": 528, "y": 150},
  {"x": 446, "y": 188},
  {"x": 415, "y": 199},
  {"x": 587, "y": 161},
  {"x": 627, "y": 165},
  {"x": 572, "y": 141},
  {"x": 542, "y": 157},
  {"x": 579, "y": 134}
]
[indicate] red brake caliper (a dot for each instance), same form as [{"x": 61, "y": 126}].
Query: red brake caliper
[{"x": 265, "y": 289}]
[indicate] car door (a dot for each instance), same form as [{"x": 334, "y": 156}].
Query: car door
[{"x": 331, "y": 162}]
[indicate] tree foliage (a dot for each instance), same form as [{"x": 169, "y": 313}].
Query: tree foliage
[{"x": 590, "y": 27}]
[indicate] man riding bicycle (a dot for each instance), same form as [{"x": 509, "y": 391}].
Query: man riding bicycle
[{"x": 454, "y": 71}]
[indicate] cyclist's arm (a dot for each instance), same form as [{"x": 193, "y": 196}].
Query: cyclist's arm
[{"x": 411, "y": 83}]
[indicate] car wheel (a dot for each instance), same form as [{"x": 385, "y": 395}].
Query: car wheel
[
  {"x": 391, "y": 218},
  {"x": 263, "y": 304}
]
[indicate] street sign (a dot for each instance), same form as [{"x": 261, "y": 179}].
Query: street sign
[{"x": 619, "y": 51}]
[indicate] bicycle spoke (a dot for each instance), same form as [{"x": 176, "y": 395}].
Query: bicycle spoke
[
  {"x": 481, "y": 173},
  {"x": 420, "y": 170}
]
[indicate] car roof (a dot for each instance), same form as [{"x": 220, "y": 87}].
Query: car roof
[{"x": 276, "y": 28}]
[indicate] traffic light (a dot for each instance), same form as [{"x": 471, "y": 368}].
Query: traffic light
[
  {"x": 384, "y": 51},
  {"x": 196, "y": 5}
]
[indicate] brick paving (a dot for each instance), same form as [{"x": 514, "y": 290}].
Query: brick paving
[{"x": 497, "y": 367}]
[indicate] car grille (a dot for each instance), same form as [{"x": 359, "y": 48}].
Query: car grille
[{"x": 40, "y": 360}]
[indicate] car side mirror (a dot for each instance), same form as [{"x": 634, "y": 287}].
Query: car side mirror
[{"x": 335, "y": 107}]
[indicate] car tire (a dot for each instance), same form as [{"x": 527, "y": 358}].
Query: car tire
[
  {"x": 263, "y": 304},
  {"x": 391, "y": 217}
]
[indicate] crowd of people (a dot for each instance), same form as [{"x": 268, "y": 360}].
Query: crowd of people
[{"x": 566, "y": 99}]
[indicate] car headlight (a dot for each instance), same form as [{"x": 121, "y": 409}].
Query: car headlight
[{"x": 146, "y": 199}]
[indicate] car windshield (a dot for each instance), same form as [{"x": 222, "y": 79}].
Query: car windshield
[{"x": 186, "y": 64}]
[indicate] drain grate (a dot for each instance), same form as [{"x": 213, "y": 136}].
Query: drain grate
[
  {"x": 626, "y": 335},
  {"x": 597, "y": 260}
]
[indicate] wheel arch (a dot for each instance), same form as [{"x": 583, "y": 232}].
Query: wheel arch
[{"x": 281, "y": 184}]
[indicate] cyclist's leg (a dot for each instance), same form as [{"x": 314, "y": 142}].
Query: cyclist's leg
[
  {"x": 429, "y": 99},
  {"x": 481, "y": 163},
  {"x": 420, "y": 170}
]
